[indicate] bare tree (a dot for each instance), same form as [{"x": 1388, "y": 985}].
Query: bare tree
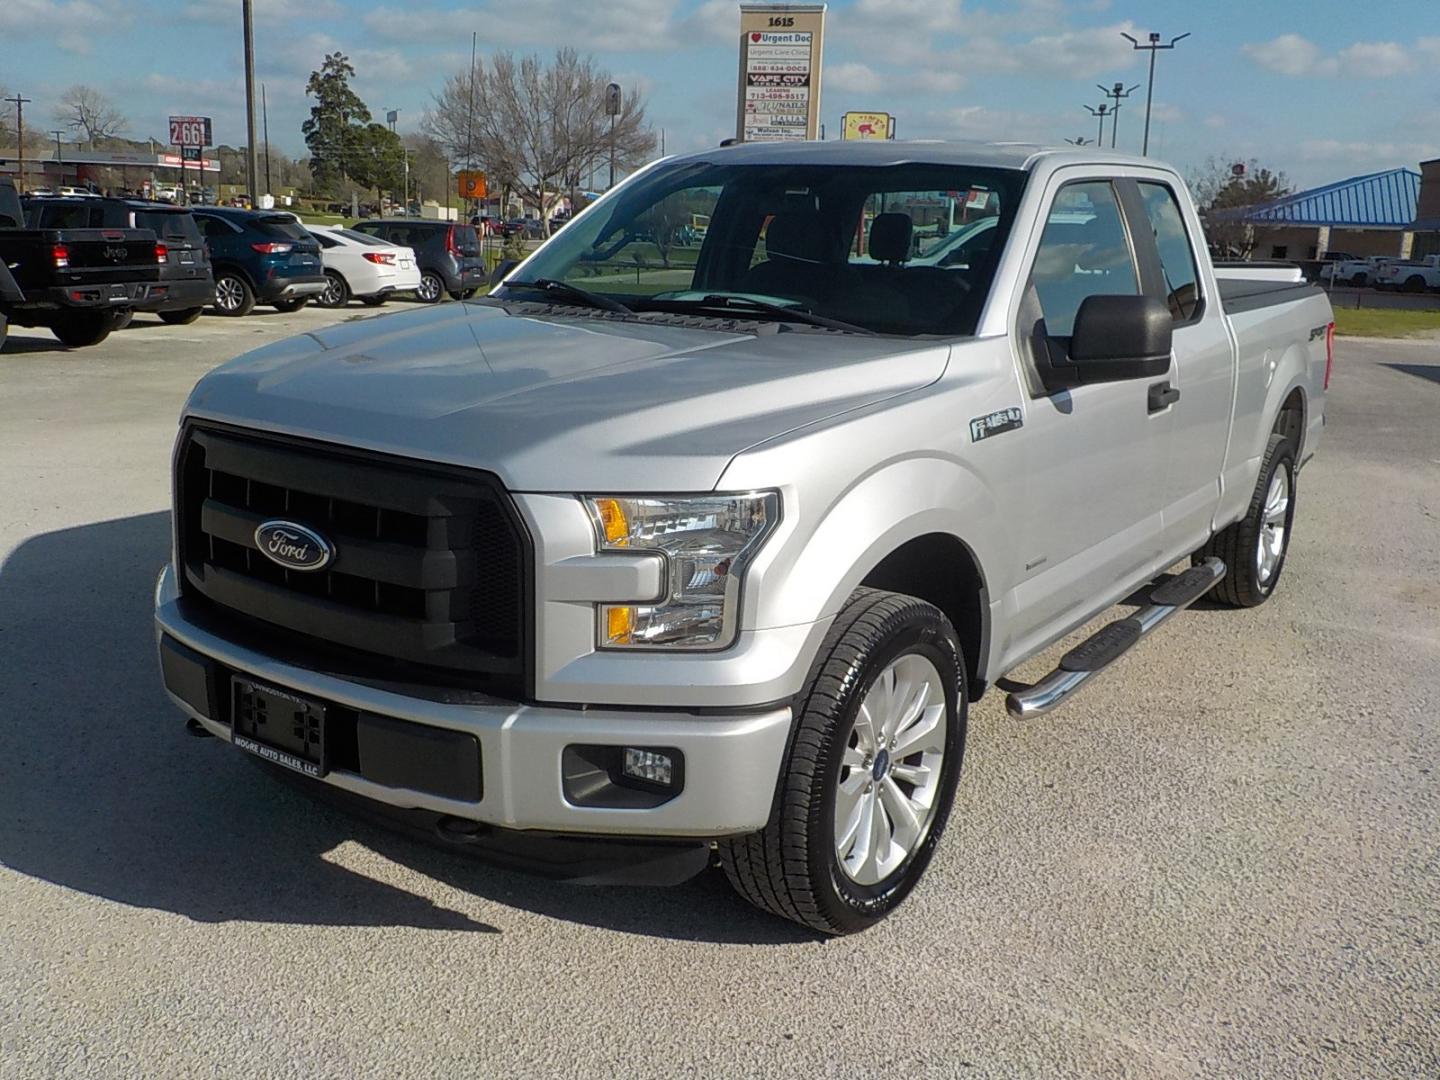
[
  {"x": 537, "y": 128},
  {"x": 89, "y": 114},
  {"x": 7, "y": 122},
  {"x": 1223, "y": 190}
]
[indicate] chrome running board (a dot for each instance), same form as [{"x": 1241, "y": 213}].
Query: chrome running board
[{"x": 1101, "y": 649}]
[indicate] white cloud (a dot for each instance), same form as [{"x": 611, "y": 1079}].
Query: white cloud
[
  {"x": 1290, "y": 54},
  {"x": 1375, "y": 59},
  {"x": 62, "y": 19},
  {"x": 613, "y": 26},
  {"x": 852, "y": 76},
  {"x": 1215, "y": 121},
  {"x": 1371, "y": 155},
  {"x": 265, "y": 11}
]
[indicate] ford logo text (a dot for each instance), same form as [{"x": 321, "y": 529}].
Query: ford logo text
[{"x": 293, "y": 546}]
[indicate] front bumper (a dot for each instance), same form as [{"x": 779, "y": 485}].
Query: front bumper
[{"x": 731, "y": 761}]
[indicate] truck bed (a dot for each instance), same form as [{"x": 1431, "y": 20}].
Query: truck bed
[{"x": 1249, "y": 294}]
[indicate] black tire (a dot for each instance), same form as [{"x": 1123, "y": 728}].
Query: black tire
[
  {"x": 1238, "y": 544},
  {"x": 374, "y": 301},
  {"x": 233, "y": 295},
  {"x": 183, "y": 317},
  {"x": 286, "y": 307},
  {"x": 790, "y": 868},
  {"x": 80, "y": 329},
  {"x": 1358, "y": 281},
  {"x": 337, "y": 291},
  {"x": 1415, "y": 284},
  {"x": 432, "y": 288},
  {"x": 468, "y": 294},
  {"x": 122, "y": 319},
  {"x": 4, "y": 330}
]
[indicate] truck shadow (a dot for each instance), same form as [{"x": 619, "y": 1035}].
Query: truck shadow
[
  {"x": 101, "y": 791},
  {"x": 1420, "y": 371}
]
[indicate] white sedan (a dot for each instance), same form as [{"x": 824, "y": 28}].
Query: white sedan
[{"x": 362, "y": 267}]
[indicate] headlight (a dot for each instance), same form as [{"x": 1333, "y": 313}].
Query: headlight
[{"x": 707, "y": 540}]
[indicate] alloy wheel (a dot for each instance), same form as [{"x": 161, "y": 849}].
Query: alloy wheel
[
  {"x": 1270, "y": 547},
  {"x": 890, "y": 770},
  {"x": 229, "y": 294}
]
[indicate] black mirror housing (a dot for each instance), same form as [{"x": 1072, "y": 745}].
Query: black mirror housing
[{"x": 1114, "y": 338}]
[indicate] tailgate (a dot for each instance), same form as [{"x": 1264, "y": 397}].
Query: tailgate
[{"x": 99, "y": 256}]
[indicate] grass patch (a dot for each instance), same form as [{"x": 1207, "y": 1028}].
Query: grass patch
[{"x": 1386, "y": 322}]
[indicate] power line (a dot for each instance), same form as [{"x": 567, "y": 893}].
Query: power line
[{"x": 1152, "y": 47}]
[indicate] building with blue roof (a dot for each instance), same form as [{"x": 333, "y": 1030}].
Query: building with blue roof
[{"x": 1373, "y": 214}]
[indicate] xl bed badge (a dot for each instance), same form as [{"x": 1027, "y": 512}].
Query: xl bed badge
[
  {"x": 293, "y": 546},
  {"x": 997, "y": 423}
]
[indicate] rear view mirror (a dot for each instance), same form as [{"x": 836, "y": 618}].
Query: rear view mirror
[{"x": 1115, "y": 338}]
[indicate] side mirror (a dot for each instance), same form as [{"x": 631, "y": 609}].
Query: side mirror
[
  {"x": 504, "y": 267},
  {"x": 1114, "y": 338}
]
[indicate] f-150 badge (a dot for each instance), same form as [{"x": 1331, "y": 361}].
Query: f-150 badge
[{"x": 997, "y": 423}]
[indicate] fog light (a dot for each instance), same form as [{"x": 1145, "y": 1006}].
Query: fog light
[{"x": 649, "y": 766}]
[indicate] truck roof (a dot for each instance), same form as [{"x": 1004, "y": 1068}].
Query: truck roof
[{"x": 999, "y": 155}]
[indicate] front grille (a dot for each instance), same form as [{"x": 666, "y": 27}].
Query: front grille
[{"x": 428, "y": 580}]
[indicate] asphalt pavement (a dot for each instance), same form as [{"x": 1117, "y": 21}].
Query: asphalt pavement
[{"x": 1223, "y": 860}]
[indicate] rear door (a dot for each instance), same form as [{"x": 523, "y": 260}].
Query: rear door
[{"x": 1091, "y": 521}]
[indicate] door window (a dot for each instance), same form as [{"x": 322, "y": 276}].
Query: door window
[
  {"x": 1084, "y": 251},
  {"x": 216, "y": 229},
  {"x": 1177, "y": 257}
]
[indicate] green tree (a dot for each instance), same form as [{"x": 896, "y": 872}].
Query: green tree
[
  {"x": 377, "y": 158},
  {"x": 336, "y": 119}
]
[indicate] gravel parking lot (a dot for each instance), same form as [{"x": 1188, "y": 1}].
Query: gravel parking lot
[{"x": 1224, "y": 860}]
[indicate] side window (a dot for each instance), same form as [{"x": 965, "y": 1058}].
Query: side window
[
  {"x": 1084, "y": 251},
  {"x": 1177, "y": 258},
  {"x": 325, "y": 241},
  {"x": 216, "y": 229}
]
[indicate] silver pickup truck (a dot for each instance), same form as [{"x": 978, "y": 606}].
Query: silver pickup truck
[{"x": 696, "y": 539}]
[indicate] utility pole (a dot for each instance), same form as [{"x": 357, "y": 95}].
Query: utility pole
[
  {"x": 612, "y": 109},
  {"x": 1152, "y": 47},
  {"x": 59, "y": 156},
  {"x": 252, "y": 171},
  {"x": 1118, "y": 93},
  {"x": 20, "y": 102},
  {"x": 1102, "y": 112},
  {"x": 264, "y": 120}
]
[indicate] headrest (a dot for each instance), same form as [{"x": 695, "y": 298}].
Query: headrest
[
  {"x": 890, "y": 237},
  {"x": 1103, "y": 240},
  {"x": 795, "y": 235}
]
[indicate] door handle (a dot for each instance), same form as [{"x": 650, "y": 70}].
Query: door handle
[{"x": 1162, "y": 395}]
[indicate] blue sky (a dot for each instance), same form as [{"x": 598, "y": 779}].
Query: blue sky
[{"x": 1321, "y": 89}]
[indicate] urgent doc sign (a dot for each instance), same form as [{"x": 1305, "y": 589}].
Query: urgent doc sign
[
  {"x": 190, "y": 131},
  {"x": 780, "y": 51}
]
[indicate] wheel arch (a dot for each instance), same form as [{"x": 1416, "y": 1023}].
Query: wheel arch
[{"x": 220, "y": 266}]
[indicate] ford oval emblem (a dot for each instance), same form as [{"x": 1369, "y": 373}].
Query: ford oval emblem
[{"x": 293, "y": 546}]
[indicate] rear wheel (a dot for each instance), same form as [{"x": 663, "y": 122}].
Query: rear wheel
[
  {"x": 1253, "y": 549},
  {"x": 431, "y": 288},
  {"x": 1358, "y": 281},
  {"x": 233, "y": 295},
  {"x": 285, "y": 307},
  {"x": 871, "y": 773},
  {"x": 82, "y": 328},
  {"x": 337, "y": 292},
  {"x": 122, "y": 318},
  {"x": 467, "y": 294},
  {"x": 183, "y": 317},
  {"x": 1415, "y": 283}
]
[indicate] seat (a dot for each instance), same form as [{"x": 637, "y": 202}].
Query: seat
[{"x": 797, "y": 264}]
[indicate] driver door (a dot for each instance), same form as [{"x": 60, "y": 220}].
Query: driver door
[{"x": 1091, "y": 521}]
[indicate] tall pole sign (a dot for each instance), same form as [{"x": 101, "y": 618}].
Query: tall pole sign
[
  {"x": 191, "y": 134},
  {"x": 780, "y": 57}
]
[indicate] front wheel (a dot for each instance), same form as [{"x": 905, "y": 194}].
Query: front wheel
[
  {"x": 1253, "y": 549},
  {"x": 374, "y": 301},
  {"x": 82, "y": 328},
  {"x": 337, "y": 292},
  {"x": 233, "y": 295},
  {"x": 431, "y": 288},
  {"x": 1415, "y": 283},
  {"x": 871, "y": 773}
]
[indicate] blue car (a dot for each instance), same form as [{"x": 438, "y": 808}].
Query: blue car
[{"x": 260, "y": 257}]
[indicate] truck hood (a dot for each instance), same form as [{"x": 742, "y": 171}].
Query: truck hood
[{"x": 559, "y": 402}]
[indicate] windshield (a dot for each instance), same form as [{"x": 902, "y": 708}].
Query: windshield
[{"x": 844, "y": 242}]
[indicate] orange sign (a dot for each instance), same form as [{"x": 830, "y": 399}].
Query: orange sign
[{"x": 472, "y": 184}]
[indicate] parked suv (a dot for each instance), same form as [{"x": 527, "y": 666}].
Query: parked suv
[
  {"x": 185, "y": 285},
  {"x": 448, "y": 254},
  {"x": 260, "y": 257}
]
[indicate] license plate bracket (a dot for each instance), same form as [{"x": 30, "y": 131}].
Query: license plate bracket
[{"x": 281, "y": 727}]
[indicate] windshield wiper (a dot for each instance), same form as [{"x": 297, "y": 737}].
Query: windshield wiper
[
  {"x": 779, "y": 311},
  {"x": 574, "y": 292}
]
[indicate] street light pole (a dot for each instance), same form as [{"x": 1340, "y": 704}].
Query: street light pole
[
  {"x": 1117, "y": 93},
  {"x": 265, "y": 122},
  {"x": 20, "y": 102},
  {"x": 1102, "y": 112},
  {"x": 612, "y": 108},
  {"x": 252, "y": 169},
  {"x": 1152, "y": 47}
]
